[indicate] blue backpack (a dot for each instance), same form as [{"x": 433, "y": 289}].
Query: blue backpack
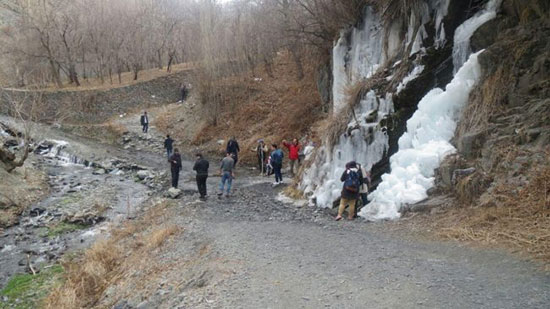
[{"x": 352, "y": 183}]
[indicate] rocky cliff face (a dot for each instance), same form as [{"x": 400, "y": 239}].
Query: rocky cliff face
[
  {"x": 504, "y": 132},
  {"x": 499, "y": 126}
]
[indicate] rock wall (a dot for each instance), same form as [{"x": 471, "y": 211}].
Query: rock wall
[{"x": 95, "y": 106}]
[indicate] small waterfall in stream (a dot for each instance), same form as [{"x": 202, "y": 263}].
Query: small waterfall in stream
[{"x": 57, "y": 149}]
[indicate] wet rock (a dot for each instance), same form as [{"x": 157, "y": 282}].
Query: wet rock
[
  {"x": 470, "y": 145},
  {"x": 99, "y": 172},
  {"x": 174, "y": 193},
  {"x": 430, "y": 203},
  {"x": 143, "y": 174}
]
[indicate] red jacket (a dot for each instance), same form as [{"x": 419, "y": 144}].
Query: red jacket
[{"x": 293, "y": 150}]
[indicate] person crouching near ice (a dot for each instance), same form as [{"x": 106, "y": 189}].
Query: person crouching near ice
[{"x": 352, "y": 180}]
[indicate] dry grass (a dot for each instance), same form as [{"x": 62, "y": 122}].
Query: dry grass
[
  {"x": 109, "y": 260},
  {"x": 157, "y": 237},
  {"x": 520, "y": 221},
  {"x": 272, "y": 109}
]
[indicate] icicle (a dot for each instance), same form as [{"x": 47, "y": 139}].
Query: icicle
[{"x": 461, "y": 47}]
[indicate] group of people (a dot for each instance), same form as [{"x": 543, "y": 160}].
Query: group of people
[
  {"x": 272, "y": 163},
  {"x": 356, "y": 180}
]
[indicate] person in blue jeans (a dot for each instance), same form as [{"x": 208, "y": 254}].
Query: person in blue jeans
[
  {"x": 276, "y": 160},
  {"x": 226, "y": 171}
]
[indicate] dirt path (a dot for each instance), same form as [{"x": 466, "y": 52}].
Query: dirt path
[
  {"x": 253, "y": 250},
  {"x": 265, "y": 253}
]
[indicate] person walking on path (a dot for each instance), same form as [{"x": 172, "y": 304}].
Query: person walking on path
[
  {"x": 226, "y": 171},
  {"x": 261, "y": 153},
  {"x": 350, "y": 192},
  {"x": 175, "y": 167},
  {"x": 201, "y": 167},
  {"x": 293, "y": 154},
  {"x": 144, "y": 120},
  {"x": 233, "y": 149},
  {"x": 168, "y": 144},
  {"x": 276, "y": 160}
]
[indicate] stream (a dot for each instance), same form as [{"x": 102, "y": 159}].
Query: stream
[{"x": 92, "y": 185}]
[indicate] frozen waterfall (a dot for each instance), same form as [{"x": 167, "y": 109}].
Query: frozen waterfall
[
  {"x": 423, "y": 146},
  {"x": 461, "y": 46}
]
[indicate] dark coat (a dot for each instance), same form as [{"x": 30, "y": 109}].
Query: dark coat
[
  {"x": 345, "y": 193},
  {"x": 142, "y": 119},
  {"x": 175, "y": 162},
  {"x": 201, "y": 167},
  {"x": 233, "y": 147},
  {"x": 168, "y": 143}
]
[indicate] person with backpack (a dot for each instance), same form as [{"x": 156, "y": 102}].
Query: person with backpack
[
  {"x": 276, "y": 160},
  {"x": 201, "y": 167},
  {"x": 168, "y": 144},
  {"x": 175, "y": 167},
  {"x": 226, "y": 171},
  {"x": 350, "y": 192},
  {"x": 293, "y": 154},
  {"x": 233, "y": 149}
]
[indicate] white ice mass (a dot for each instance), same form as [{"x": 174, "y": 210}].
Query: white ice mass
[{"x": 423, "y": 146}]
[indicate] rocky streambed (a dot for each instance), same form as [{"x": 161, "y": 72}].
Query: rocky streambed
[{"x": 92, "y": 185}]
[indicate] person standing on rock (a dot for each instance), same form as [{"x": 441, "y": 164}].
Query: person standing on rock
[
  {"x": 175, "y": 167},
  {"x": 144, "y": 122},
  {"x": 276, "y": 160},
  {"x": 226, "y": 171},
  {"x": 201, "y": 167},
  {"x": 293, "y": 154},
  {"x": 350, "y": 192},
  {"x": 233, "y": 149},
  {"x": 168, "y": 143}
]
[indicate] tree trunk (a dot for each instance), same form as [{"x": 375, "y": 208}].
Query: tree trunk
[
  {"x": 298, "y": 61},
  {"x": 159, "y": 59},
  {"x": 268, "y": 68},
  {"x": 55, "y": 73}
]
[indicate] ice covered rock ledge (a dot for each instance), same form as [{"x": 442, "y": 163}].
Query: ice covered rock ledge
[{"x": 423, "y": 146}]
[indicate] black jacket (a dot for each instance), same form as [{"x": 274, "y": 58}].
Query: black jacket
[
  {"x": 233, "y": 147},
  {"x": 201, "y": 167},
  {"x": 168, "y": 143},
  {"x": 142, "y": 119},
  {"x": 175, "y": 162}
]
